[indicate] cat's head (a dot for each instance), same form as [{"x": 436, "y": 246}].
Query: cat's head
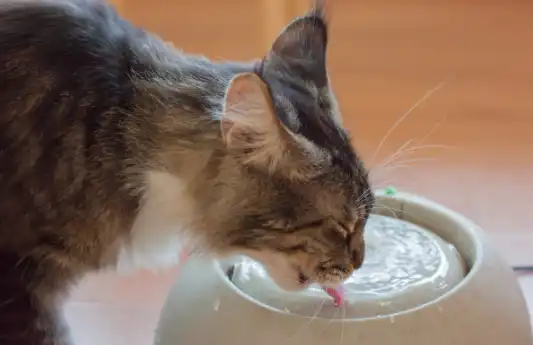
[{"x": 307, "y": 194}]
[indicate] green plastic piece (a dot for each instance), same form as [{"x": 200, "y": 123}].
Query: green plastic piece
[{"x": 390, "y": 190}]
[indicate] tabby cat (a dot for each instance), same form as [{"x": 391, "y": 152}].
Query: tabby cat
[{"x": 115, "y": 148}]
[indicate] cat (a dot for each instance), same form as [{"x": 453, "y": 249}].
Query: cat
[{"x": 116, "y": 147}]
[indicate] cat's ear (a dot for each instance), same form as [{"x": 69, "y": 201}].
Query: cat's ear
[
  {"x": 248, "y": 121},
  {"x": 305, "y": 38},
  {"x": 253, "y": 133},
  {"x": 303, "y": 42}
]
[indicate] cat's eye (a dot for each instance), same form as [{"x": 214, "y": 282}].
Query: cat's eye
[
  {"x": 312, "y": 224},
  {"x": 296, "y": 248},
  {"x": 344, "y": 268}
]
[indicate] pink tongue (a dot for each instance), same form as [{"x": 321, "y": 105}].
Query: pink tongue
[{"x": 336, "y": 293}]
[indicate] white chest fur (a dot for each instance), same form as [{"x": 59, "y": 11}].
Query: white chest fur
[{"x": 158, "y": 234}]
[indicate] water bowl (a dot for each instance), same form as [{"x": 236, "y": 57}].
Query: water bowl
[{"x": 430, "y": 277}]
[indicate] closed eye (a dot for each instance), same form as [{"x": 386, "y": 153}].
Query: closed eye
[
  {"x": 313, "y": 224},
  {"x": 296, "y": 248},
  {"x": 328, "y": 266}
]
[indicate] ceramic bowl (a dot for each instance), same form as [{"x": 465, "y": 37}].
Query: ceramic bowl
[{"x": 447, "y": 286}]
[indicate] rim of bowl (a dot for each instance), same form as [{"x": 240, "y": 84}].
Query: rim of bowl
[{"x": 471, "y": 229}]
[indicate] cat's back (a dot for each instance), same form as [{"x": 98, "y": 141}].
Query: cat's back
[
  {"x": 58, "y": 59},
  {"x": 64, "y": 71},
  {"x": 61, "y": 33}
]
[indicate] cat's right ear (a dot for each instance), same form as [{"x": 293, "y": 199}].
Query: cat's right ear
[
  {"x": 249, "y": 124},
  {"x": 253, "y": 133}
]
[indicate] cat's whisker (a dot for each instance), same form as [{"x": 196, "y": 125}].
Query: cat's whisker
[
  {"x": 406, "y": 150},
  {"x": 395, "y": 161},
  {"x": 432, "y": 129},
  {"x": 406, "y": 114},
  {"x": 308, "y": 322},
  {"x": 396, "y": 167},
  {"x": 388, "y": 207},
  {"x": 380, "y": 184},
  {"x": 405, "y": 153},
  {"x": 391, "y": 209},
  {"x": 406, "y": 164},
  {"x": 331, "y": 319},
  {"x": 399, "y": 151},
  {"x": 411, "y": 160},
  {"x": 411, "y": 150},
  {"x": 343, "y": 325},
  {"x": 364, "y": 195},
  {"x": 420, "y": 142}
]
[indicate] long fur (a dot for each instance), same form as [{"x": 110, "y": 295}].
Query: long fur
[{"x": 114, "y": 152}]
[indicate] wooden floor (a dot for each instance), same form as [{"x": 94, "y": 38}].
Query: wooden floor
[{"x": 386, "y": 56}]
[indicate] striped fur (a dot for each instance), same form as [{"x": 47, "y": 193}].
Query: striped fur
[{"x": 116, "y": 148}]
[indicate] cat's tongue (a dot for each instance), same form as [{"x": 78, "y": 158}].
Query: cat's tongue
[{"x": 336, "y": 293}]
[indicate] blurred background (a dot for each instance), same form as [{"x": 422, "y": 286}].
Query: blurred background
[{"x": 443, "y": 88}]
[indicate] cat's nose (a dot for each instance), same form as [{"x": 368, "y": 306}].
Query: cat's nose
[{"x": 349, "y": 269}]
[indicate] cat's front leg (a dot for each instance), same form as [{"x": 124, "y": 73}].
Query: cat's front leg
[{"x": 30, "y": 307}]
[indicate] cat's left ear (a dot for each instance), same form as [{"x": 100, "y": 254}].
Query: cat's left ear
[{"x": 303, "y": 42}]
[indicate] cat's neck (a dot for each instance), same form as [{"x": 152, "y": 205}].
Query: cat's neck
[{"x": 180, "y": 107}]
